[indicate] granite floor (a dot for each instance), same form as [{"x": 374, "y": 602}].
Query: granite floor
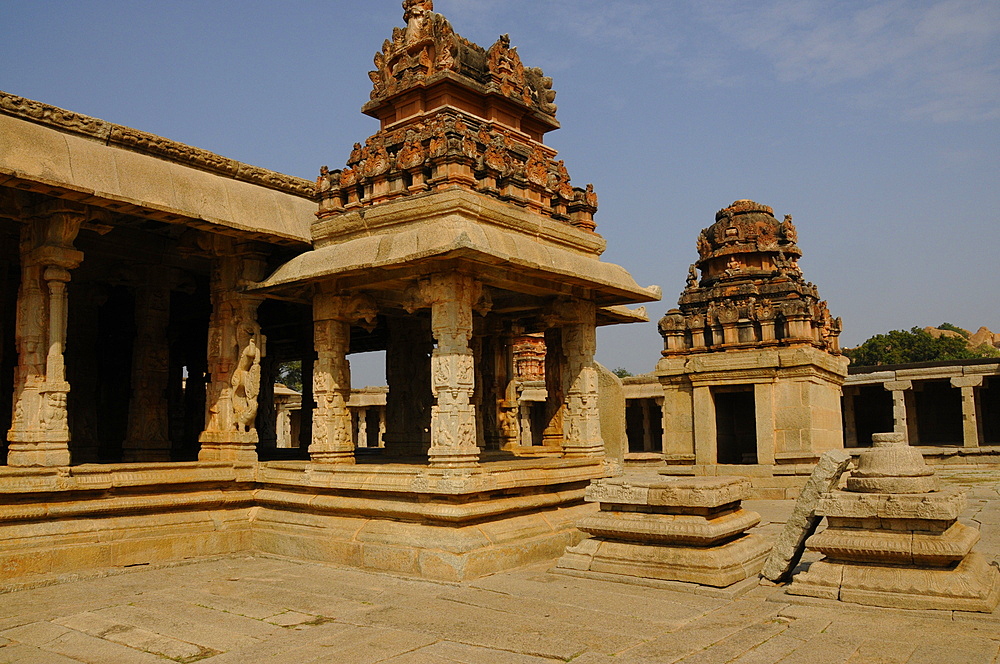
[{"x": 252, "y": 609}]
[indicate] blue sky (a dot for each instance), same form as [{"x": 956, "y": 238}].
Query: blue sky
[{"x": 875, "y": 124}]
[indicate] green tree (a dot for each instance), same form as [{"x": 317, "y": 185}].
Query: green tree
[
  {"x": 622, "y": 372},
  {"x": 290, "y": 374},
  {"x": 901, "y": 347},
  {"x": 953, "y": 328}
]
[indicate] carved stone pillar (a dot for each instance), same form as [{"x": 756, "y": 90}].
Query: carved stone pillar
[
  {"x": 453, "y": 417},
  {"x": 972, "y": 428},
  {"x": 147, "y": 437},
  {"x": 235, "y": 349},
  {"x": 363, "y": 427},
  {"x": 39, "y": 433},
  {"x": 582, "y": 422},
  {"x": 381, "y": 426},
  {"x": 333, "y": 435},
  {"x": 555, "y": 402}
]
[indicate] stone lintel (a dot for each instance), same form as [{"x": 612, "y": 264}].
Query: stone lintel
[{"x": 967, "y": 381}]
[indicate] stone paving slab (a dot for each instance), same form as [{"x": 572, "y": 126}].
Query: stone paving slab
[{"x": 257, "y": 610}]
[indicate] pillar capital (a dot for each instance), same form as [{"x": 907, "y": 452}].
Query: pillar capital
[{"x": 967, "y": 381}]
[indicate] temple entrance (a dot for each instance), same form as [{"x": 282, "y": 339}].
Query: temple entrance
[
  {"x": 939, "y": 413},
  {"x": 735, "y": 425},
  {"x": 872, "y": 412}
]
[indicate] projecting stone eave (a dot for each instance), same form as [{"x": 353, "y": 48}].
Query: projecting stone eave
[{"x": 508, "y": 260}]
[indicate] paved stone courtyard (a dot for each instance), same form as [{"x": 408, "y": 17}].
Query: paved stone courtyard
[{"x": 246, "y": 609}]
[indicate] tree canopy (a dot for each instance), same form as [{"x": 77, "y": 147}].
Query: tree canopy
[{"x": 901, "y": 347}]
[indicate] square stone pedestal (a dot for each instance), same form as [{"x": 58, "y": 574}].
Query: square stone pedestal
[{"x": 654, "y": 527}]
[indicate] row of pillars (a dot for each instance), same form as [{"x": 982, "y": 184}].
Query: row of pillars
[
  {"x": 904, "y": 410},
  {"x": 40, "y": 433}
]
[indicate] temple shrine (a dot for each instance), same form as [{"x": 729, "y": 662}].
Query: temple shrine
[
  {"x": 751, "y": 370},
  {"x": 158, "y": 287}
]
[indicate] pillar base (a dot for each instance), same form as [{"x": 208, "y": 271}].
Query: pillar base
[
  {"x": 47, "y": 453},
  {"x": 343, "y": 457},
  {"x": 228, "y": 446},
  {"x": 449, "y": 457}
]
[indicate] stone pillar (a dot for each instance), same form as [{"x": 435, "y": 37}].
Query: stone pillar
[
  {"x": 453, "y": 417},
  {"x": 381, "y": 426},
  {"x": 660, "y": 401},
  {"x": 362, "y": 427},
  {"x": 900, "y": 417},
  {"x": 147, "y": 435},
  {"x": 678, "y": 418},
  {"x": 524, "y": 417},
  {"x": 235, "y": 349},
  {"x": 39, "y": 433},
  {"x": 332, "y": 430},
  {"x": 763, "y": 397},
  {"x": 555, "y": 406},
  {"x": 972, "y": 428},
  {"x": 582, "y": 423},
  {"x": 705, "y": 443}
]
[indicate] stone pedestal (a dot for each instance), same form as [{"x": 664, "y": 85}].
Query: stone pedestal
[
  {"x": 894, "y": 539},
  {"x": 655, "y": 527}
]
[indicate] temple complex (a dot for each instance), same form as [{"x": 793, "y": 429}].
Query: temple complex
[
  {"x": 151, "y": 291},
  {"x": 751, "y": 368}
]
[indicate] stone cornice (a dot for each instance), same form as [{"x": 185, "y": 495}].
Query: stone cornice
[{"x": 127, "y": 138}]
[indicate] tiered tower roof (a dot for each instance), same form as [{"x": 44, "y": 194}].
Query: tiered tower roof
[{"x": 751, "y": 292}]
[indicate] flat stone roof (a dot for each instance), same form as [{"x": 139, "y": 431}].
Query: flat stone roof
[{"x": 60, "y": 153}]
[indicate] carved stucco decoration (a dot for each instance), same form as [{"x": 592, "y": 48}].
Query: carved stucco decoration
[{"x": 750, "y": 278}]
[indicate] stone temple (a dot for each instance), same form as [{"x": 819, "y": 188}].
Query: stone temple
[
  {"x": 150, "y": 290},
  {"x": 751, "y": 368}
]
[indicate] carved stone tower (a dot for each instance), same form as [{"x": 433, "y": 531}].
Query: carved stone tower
[
  {"x": 751, "y": 366},
  {"x": 451, "y": 232}
]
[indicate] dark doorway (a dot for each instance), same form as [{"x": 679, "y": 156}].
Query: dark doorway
[
  {"x": 872, "y": 413},
  {"x": 735, "y": 425},
  {"x": 989, "y": 410},
  {"x": 939, "y": 413}
]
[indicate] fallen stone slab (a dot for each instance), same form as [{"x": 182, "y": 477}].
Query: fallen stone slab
[{"x": 787, "y": 551}]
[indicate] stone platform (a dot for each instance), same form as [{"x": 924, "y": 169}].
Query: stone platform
[{"x": 450, "y": 524}]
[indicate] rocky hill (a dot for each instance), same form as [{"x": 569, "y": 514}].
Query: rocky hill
[{"x": 974, "y": 339}]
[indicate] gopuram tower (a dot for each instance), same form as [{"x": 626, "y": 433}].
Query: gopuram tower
[
  {"x": 450, "y": 233},
  {"x": 751, "y": 368}
]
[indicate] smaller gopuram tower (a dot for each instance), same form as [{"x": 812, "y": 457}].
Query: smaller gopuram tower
[{"x": 751, "y": 368}]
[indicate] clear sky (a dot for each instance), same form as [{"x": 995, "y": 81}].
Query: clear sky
[{"x": 875, "y": 124}]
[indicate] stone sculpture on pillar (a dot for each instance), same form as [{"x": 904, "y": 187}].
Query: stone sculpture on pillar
[
  {"x": 39, "y": 433},
  {"x": 894, "y": 539},
  {"x": 235, "y": 349}
]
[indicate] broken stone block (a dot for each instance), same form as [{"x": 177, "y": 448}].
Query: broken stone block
[{"x": 802, "y": 523}]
